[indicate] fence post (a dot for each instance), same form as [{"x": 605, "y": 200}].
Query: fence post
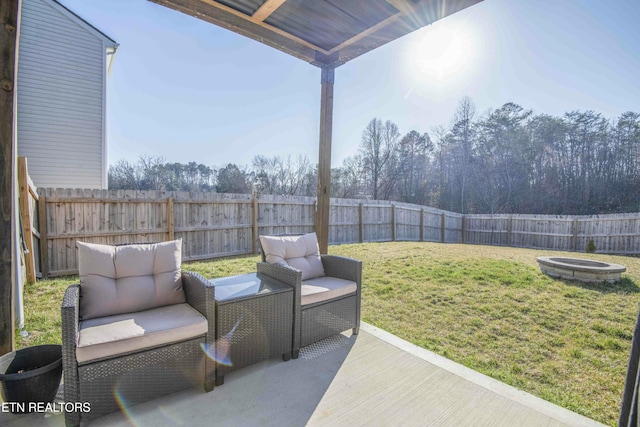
[
  {"x": 443, "y": 221},
  {"x": 574, "y": 238},
  {"x": 25, "y": 217},
  {"x": 254, "y": 223},
  {"x": 509, "y": 229},
  {"x": 42, "y": 225},
  {"x": 170, "y": 218},
  {"x": 464, "y": 229},
  {"x": 422, "y": 224},
  {"x": 393, "y": 223},
  {"x": 361, "y": 222}
]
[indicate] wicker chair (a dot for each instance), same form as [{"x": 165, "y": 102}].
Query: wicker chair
[
  {"x": 319, "y": 311},
  {"x": 113, "y": 373}
]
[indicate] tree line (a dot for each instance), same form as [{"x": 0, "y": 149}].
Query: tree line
[{"x": 507, "y": 160}]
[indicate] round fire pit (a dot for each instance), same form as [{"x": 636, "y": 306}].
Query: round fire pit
[{"x": 583, "y": 270}]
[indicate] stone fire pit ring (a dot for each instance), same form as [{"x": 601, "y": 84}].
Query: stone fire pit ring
[{"x": 583, "y": 270}]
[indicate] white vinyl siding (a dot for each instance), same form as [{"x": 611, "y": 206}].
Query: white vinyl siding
[{"x": 61, "y": 86}]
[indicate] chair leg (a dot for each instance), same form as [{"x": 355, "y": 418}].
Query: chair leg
[
  {"x": 220, "y": 380},
  {"x": 286, "y": 356},
  {"x": 295, "y": 354},
  {"x": 208, "y": 386},
  {"x": 355, "y": 330},
  {"x": 71, "y": 420}
]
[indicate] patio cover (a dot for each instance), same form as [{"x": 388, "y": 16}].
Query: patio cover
[{"x": 324, "y": 33}]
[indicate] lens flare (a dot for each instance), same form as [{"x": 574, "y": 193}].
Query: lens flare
[
  {"x": 220, "y": 352},
  {"x": 124, "y": 406}
]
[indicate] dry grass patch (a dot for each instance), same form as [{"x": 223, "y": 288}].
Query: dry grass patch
[{"x": 488, "y": 308}]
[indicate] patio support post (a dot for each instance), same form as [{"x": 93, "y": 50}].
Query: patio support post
[
  {"x": 324, "y": 159},
  {"x": 9, "y": 16}
]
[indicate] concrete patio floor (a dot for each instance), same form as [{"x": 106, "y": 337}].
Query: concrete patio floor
[{"x": 372, "y": 379}]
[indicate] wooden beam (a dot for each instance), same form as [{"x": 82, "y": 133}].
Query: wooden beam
[
  {"x": 366, "y": 32},
  {"x": 9, "y": 17},
  {"x": 324, "y": 159},
  {"x": 266, "y": 26},
  {"x": 267, "y": 8},
  {"x": 232, "y": 22},
  {"x": 262, "y": 24}
]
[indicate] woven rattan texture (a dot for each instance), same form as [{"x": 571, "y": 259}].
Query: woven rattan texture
[
  {"x": 324, "y": 320},
  {"x": 264, "y": 328},
  {"x": 292, "y": 278},
  {"x": 119, "y": 383}
]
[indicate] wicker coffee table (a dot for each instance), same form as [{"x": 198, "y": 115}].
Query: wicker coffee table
[{"x": 254, "y": 321}]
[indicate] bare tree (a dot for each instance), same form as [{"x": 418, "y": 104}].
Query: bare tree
[
  {"x": 462, "y": 134},
  {"x": 125, "y": 175},
  {"x": 377, "y": 153},
  {"x": 153, "y": 172},
  {"x": 413, "y": 161},
  {"x": 232, "y": 179},
  {"x": 346, "y": 181}
]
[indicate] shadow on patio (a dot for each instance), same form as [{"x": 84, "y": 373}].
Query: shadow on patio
[{"x": 374, "y": 378}]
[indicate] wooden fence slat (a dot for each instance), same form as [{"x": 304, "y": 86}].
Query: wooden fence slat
[
  {"x": 393, "y": 223},
  {"x": 361, "y": 222},
  {"x": 42, "y": 223},
  {"x": 255, "y": 218},
  {"x": 170, "y": 218}
]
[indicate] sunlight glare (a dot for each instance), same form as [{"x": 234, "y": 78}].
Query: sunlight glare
[{"x": 441, "y": 55}]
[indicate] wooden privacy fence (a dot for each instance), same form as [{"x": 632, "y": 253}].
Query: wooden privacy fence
[
  {"x": 612, "y": 234},
  {"x": 214, "y": 225}
]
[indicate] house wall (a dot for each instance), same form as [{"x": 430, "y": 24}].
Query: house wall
[{"x": 61, "y": 89}]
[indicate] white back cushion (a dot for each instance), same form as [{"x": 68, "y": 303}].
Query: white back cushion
[
  {"x": 299, "y": 252},
  {"x": 126, "y": 279}
]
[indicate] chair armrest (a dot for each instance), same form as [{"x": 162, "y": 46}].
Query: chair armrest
[
  {"x": 282, "y": 273},
  {"x": 343, "y": 268},
  {"x": 200, "y": 294},
  {"x": 293, "y": 278},
  {"x": 70, "y": 313}
]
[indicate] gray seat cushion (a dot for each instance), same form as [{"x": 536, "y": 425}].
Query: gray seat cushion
[
  {"x": 104, "y": 337},
  {"x": 125, "y": 279},
  {"x": 324, "y": 289}
]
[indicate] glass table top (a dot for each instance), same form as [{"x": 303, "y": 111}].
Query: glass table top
[{"x": 245, "y": 285}]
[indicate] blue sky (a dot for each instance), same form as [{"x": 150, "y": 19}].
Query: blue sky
[{"x": 186, "y": 90}]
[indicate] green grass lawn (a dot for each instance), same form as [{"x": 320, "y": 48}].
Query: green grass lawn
[{"x": 488, "y": 308}]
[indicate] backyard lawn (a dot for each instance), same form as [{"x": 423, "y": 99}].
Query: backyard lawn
[{"x": 488, "y": 308}]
